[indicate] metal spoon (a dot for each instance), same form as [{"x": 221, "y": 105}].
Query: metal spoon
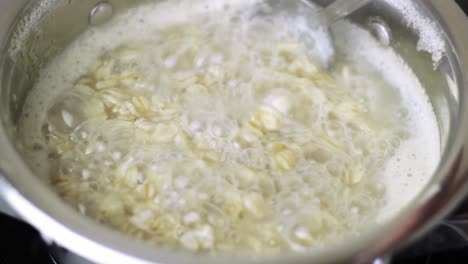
[
  {"x": 341, "y": 8},
  {"x": 336, "y": 11}
]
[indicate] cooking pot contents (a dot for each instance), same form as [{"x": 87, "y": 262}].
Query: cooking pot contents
[{"x": 210, "y": 127}]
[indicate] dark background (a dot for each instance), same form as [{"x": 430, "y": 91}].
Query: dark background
[{"x": 463, "y": 4}]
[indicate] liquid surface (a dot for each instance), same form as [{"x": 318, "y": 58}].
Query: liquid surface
[{"x": 220, "y": 133}]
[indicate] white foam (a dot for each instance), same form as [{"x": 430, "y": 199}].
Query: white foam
[
  {"x": 430, "y": 36},
  {"x": 82, "y": 53},
  {"x": 359, "y": 44},
  {"x": 29, "y": 24},
  {"x": 411, "y": 168}
]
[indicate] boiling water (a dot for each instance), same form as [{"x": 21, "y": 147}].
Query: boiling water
[{"x": 319, "y": 154}]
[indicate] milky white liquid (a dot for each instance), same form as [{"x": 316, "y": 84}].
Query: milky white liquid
[
  {"x": 410, "y": 169},
  {"x": 403, "y": 176}
]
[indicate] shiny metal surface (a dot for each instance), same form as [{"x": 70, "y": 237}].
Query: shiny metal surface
[
  {"x": 380, "y": 30},
  {"x": 63, "y": 20},
  {"x": 101, "y": 13},
  {"x": 340, "y": 9},
  {"x": 6, "y": 208}
]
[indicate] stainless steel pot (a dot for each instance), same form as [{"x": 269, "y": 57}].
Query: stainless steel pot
[{"x": 42, "y": 28}]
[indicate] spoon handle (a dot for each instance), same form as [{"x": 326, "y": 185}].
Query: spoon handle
[{"x": 342, "y": 8}]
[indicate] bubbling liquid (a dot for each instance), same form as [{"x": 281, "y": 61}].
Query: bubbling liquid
[{"x": 213, "y": 129}]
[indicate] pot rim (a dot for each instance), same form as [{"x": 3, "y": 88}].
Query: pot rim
[{"x": 34, "y": 201}]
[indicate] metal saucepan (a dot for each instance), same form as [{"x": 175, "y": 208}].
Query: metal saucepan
[{"x": 45, "y": 27}]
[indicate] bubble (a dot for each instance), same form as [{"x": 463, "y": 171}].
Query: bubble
[
  {"x": 181, "y": 182},
  {"x": 191, "y": 218},
  {"x": 65, "y": 115},
  {"x": 85, "y": 174},
  {"x": 100, "y": 146},
  {"x": 217, "y": 59},
  {"x": 116, "y": 156},
  {"x": 170, "y": 62}
]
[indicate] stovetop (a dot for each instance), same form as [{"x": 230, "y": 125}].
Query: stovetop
[{"x": 447, "y": 243}]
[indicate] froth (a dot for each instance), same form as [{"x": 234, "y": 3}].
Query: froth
[
  {"x": 81, "y": 54},
  {"x": 404, "y": 175},
  {"x": 430, "y": 37},
  {"x": 28, "y": 24},
  {"x": 410, "y": 169}
]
